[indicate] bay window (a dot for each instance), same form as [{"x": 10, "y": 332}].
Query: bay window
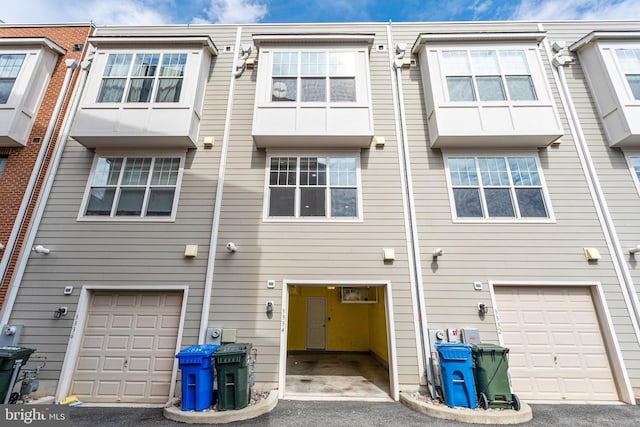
[{"x": 10, "y": 65}]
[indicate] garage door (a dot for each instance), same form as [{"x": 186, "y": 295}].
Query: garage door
[
  {"x": 556, "y": 346},
  {"x": 128, "y": 347}
]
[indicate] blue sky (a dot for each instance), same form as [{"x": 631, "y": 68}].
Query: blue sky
[{"x": 150, "y": 12}]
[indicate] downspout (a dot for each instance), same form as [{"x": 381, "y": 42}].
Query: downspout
[
  {"x": 18, "y": 224},
  {"x": 213, "y": 242},
  {"x": 611, "y": 236},
  {"x": 30, "y": 236},
  {"x": 411, "y": 227}
]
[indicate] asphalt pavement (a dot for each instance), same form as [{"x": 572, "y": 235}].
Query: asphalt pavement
[{"x": 296, "y": 413}]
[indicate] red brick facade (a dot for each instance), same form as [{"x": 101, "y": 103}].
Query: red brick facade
[{"x": 21, "y": 161}]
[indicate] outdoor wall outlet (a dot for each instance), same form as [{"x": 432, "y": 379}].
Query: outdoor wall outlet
[
  {"x": 68, "y": 290},
  {"x": 271, "y": 284}
]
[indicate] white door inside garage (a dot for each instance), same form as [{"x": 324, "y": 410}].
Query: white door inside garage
[
  {"x": 128, "y": 346},
  {"x": 556, "y": 347}
]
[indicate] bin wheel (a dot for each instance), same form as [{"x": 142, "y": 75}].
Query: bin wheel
[
  {"x": 13, "y": 398},
  {"x": 483, "y": 402},
  {"x": 515, "y": 402}
]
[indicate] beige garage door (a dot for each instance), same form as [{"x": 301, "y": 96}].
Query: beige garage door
[
  {"x": 128, "y": 347},
  {"x": 556, "y": 346}
]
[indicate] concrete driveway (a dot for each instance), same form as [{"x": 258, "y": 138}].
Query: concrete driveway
[{"x": 296, "y": 413}]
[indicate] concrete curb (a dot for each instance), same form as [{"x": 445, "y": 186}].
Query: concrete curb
[
  {"x": 467, "y": 415},
  {"x": 220, "y": 417}
]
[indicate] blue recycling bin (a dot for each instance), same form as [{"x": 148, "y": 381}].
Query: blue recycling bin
[
  {"x": 456, "y": 373},
  {"x": 196, "y": 363}
]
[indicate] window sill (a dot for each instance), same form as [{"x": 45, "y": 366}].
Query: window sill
[
  {"x": 311, "y": 220},
  {"x": 123, "y": 219},
  {"x": 504, "y": 221}
]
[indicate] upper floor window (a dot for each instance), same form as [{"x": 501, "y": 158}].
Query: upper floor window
[
  {"x": 3, "y": 163},
  {"x": 133, "y": 187},
  {"x": 630, "y": 63},
  {"x": 314, "y": 186},
  {"x": 488, "y": 75},
  {"x": 313, "y": 76},
  {"x": 635, "y": 167},
  {"x": 143, "y": 77},
  {"x": 497, "y": 187},
  {"x": 10, "y": 65}
]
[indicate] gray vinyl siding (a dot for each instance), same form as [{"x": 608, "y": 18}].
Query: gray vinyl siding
[
  {"x": 139, "y": 253},
  {"x": 293, "y": 250},
  {"x": 614, "y": 177},
  {"x": 517, "y": 251}
]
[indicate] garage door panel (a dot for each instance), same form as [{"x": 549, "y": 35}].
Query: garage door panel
[
  {"x": 121, "y": 321},
  {"x": 126, "y": 354},
  {"x": 170, "y": 321},
  {"x": 556, "y": 345}
]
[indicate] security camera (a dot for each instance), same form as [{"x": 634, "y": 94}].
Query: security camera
[
  {"x": 482, "y": 308},
  {"x": 438, "y": 252},
  {"x": 231, "y": 247},
  {"x": 635, "y": 250},
  {"x": 41, "y": 249}
]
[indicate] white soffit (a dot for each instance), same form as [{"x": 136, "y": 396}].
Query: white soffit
[
  {"x": 32, "y": 42},
  {"x": 314, "y": 38},
  {"x": 605, "y": 35},
  {"x": 426, "y": 38},
  {"x": 173, "y": 41}
]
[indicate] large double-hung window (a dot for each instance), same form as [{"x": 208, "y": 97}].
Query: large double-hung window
[
  {"x": 10, "y": 65},
  {"x": 143, "y": 77},
  {"x": 313, "y": 76},
  {"x": 630, "y": 63},
  {"x": 497, "y": 187},
  {"x": 313, "y": 187},
  {"x": 488, "y": 75},
  {"x": 133, "y": 187}
]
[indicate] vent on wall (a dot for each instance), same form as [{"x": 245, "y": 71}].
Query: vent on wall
[
  {"x": 78, "y": 47},
  {"x": 36, "y": 140},
  {"x": 380, "y": 48}
]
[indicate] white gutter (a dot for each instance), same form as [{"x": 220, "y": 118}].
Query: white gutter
[
  {"x": 602, "y": 208},
  {"x": 411, "y": 227},
  {"x": 37, "y": 170},
  {"x": 213, "y": 242},
  {"x": 47, "y": 184}
]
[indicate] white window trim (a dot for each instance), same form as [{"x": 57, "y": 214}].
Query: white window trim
[
  {"x": 452, "y": 204},
  {"x": 18, "y": 76},
  {"x": 100, "y": 218},
  {"x": 629, "y": 98},
  {"x": 627, "y": 157},
  {"x": 298, "y": 154},
  {"x": 94, "y": 82},
  {"x": 362, "y": 85},
  {"x": 534, "y": 61}
]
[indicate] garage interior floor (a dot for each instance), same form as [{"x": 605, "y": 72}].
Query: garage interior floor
[{"x": 336, "y": 375}]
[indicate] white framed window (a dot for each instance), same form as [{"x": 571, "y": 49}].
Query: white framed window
[
  {"x": 314, "y": 76},
  {"x": 497, "y": 187},
  {"x": 487, "y": 75},
  {"x": 142, "y": 78},
  {"x": 629, "y": 60},
  {"x": 10, "y": 65},
  {"x": 313, "y": 187},
  {"x": 634, "y": 165},
  {"x": 3, "y": 163},
  {"x": 133, "y": 187}
]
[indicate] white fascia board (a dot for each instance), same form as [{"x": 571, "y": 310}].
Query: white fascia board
[
  {"x": 318, "y": 38},
  {"x": 109, "y": 41},
  {"x": 604, "y": 35},
  {"x": 32, "y": 42},
  {"x": 529, "y": 36}
]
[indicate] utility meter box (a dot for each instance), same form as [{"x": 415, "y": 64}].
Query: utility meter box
[{"x": 470, "y": 336}]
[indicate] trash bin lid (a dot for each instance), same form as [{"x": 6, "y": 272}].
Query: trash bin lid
[
  {"x": 453, "y": 351},
  {"x": 15, "y": 352},
  {"x": 234, "y": 348},
  {"x": 198, "y": 350},
  {"x": 488, "y": 347}
]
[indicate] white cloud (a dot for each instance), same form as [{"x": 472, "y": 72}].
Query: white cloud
[
  {"x": 233, "y": 12},
  {"x": 576, "y": 9},
  {"x": 113, "y": 12}
]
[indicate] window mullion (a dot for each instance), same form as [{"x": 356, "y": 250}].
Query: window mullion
[
  {"x": 147, "y": 189},
  {"x": 512, "y": 190},
  {"x": 298, "y": 192},
  {"x": 116, "y": 196},
  {"x": 483, "y": 200}
]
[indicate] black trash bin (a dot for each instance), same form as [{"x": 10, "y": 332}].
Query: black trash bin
[{"x": 11, "y": 360}]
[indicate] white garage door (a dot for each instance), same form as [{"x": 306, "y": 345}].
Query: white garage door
[
  {"x": 128, "y": 347},
  {"x": 555, "y": 342}
]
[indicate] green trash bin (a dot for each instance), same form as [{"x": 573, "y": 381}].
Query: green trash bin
[
  {"x": 492, "y": 381},
  {"x": 11, "y": 360},
  {"x": 233, "y": 376}
]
